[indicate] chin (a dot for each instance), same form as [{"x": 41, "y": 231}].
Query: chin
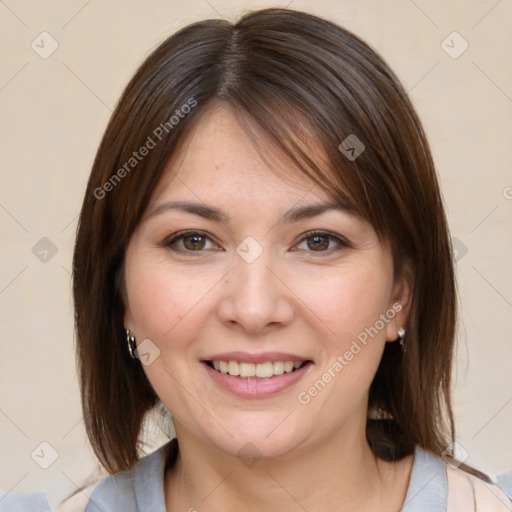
[{"x": 258, "y": 435}]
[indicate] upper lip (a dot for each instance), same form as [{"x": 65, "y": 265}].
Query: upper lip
[{"x": 262, "y": 357}]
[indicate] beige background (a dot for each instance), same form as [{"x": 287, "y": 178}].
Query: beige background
[{"x": 53, "y": 113}]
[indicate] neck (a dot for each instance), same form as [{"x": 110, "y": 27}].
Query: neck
[{"x": 341, "y": 475}]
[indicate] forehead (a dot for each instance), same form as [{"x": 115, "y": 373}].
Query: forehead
[{"x": 217, "y": 156}]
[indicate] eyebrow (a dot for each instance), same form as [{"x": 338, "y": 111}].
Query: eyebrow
[{"x": 214, "y": 214}]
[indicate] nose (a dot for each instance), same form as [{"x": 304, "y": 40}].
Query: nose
[{"x": 255, "y": 297}]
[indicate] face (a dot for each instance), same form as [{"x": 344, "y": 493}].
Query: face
[{"x": 254, "y": 324}]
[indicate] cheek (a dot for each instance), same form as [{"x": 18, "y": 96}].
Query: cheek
[
  {"x": 347, "y": 302},
  {"x": 349, "y": 311},
  {"x": 169, "y": 308},
  {"x": 164, "y": 302}
]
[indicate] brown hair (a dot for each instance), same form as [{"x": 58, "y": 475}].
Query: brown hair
[{"x": 299, "y": 81}]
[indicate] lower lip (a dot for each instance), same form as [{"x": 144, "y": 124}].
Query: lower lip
[{"x": 247, "y": 387}]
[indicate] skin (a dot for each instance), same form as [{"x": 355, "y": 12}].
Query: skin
[{"x": 203, "y": 298}]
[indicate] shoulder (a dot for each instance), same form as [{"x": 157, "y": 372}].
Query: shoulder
[
  {"x": 469, "y": 493},
  {"x": 136, "y": 489},
  {"x": 13, "y": 501},
  {"x": 428, "y": 488},
  {"x": 505, "y": 482},
  {"x": 437, "y": 486},
  {"x": 116, "y": 492}
]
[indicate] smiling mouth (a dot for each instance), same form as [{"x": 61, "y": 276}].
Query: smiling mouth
[{"x": 264, "y": 370}]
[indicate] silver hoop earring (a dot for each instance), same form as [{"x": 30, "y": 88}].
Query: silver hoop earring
[
  {"x": 132, "y": 346},
  {"x": 401, "y": 335}
]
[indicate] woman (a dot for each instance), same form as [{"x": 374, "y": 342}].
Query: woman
[{"x": 263, "y": 252}]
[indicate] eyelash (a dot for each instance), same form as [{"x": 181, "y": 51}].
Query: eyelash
[{"x": 170, "y": 242}]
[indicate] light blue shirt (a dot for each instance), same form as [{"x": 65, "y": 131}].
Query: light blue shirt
[{"x": 141, "y": 488}]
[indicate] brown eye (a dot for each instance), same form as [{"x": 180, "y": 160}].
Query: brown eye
[
  {"x": 194, "y": 242},
  {"x": 318, "y": 241},
  {"x": 189, "y": 241}
]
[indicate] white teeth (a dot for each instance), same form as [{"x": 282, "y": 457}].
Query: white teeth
[
  {"x": 278, "y": 368},
  {"x": 233, "y": 368},
  {"x": 288, "y": 366},
  {"x": 247, "y": 369},
  {"x": 261, "y": 370},
  {"x": 265, "y": 369}
]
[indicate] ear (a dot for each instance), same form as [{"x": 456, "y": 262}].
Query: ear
[
  {"x": 121, "y": 286},
  {"x": 401, "y": 298},
  {"x": 128, "y": 319}
]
